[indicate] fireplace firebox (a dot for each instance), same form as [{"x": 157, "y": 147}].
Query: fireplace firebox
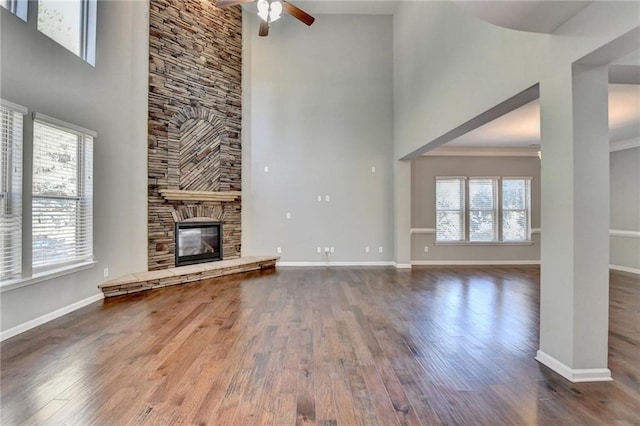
[{"x": 198, "y": 242}]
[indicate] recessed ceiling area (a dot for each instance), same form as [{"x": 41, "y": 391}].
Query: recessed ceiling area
[{"x": 520, "y": 128}]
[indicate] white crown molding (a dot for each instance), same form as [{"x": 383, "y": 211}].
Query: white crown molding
[
  {"x": 624, "y": 144},
  {"x": 49, "y": 317},
  {"x": 572, "y": 374},
  {"x": 462, "y": 151}
]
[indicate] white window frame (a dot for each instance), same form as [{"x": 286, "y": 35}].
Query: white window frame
[
  {"x": 497, "y": 211},
  {"x": 493, "y": 211},
  {"x": 87, "y": 30},
  {"x": 84, "y": 197},
  {"x": 526, "y": 210},
  {"x": 11, "y": 143},
  {"x": 463, "y": 207},
  {"x": 17, "y": 7}
]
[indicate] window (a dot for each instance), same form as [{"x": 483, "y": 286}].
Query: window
[
  {"x": 450, "y": 209},
  {"x": 516, "y": 217},
  {"x": 62, "y": 198},
  {"x": 11, "y": 118},
  {"x": 70, "y": 23},
  {"x": 483, "y": 209},
  {"x": 17, "y": 7}
]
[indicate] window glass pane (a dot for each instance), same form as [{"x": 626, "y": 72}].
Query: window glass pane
[
  {"x": 513, "y": 194},
  {"x": 514, "y": 225},
  {"x": 481, "y": 226},
  {"x": 55, "y": 226},
  {"x": 449, "y": 195},
  {"x": 450, "y": 226},
  {"x": 55, "y": 161},
  {"x": 481, "y": 194},
  {"x": 61, "y": 20}
]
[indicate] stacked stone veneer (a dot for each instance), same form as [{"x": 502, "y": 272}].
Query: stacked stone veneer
[{"x": 194, "y": 119}]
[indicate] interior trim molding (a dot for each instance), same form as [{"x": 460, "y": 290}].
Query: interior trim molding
[
  {"x": 462, "y": 151},
  {"x": 6, "y": 334},
  {"x": 625, "y": 269},
  {"x": 621, "y": 233},
  {"x": 624, "y": 144},
  {"x": 422, "y": 231},
  {"x": 574, "y": 375},
  {"x": 402, "y": 265},
  {"x": 364, "y": 263},
  {"x": 473, "y": 262}
]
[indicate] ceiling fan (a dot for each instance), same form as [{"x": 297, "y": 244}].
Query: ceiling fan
[{"x": 270, "y": 11}]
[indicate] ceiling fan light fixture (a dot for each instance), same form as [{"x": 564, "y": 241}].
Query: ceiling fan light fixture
[
  {"x": 263, "y": 10},
  {"x": 276, "y": 11}
]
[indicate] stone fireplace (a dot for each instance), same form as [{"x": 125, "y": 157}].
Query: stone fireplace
[{"x": 194, "y": 154}]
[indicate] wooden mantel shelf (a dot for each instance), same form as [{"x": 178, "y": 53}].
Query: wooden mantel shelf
[{"x": 215, "y": 196}]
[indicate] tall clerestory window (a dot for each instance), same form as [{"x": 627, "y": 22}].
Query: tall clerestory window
[{"x": 72, "y": 24}]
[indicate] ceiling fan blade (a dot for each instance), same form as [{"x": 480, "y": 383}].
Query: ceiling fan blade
[
  {"x": 298, "y": 13},
  {"x": 264, "y": 29},
  {"x": 222, "y": 4}
]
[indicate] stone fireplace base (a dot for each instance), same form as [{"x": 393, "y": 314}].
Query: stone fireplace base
[{"x": 143, "y": 281}]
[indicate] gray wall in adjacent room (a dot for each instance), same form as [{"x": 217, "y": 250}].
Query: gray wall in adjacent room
[
  {"x": 625, "y": 208},
  {"x": 111, "y": 99},
  {"x": 423, "y": 173},
  {"x": 318, "y": 112}
]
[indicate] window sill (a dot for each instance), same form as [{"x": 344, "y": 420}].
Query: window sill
[
  {"x": 47, "y": 275},
  {"x": 484, "y": 243}
]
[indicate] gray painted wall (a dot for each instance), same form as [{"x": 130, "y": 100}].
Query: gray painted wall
[
  {"x": 423, "y": 172},
  {"x": 625, "y": 207},
  {"x": 110, "y": 99},
  {"x": 319, "y": 115}
]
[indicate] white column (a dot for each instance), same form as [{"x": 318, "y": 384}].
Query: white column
[
  {"x": 574, "y": 299},
  {"x": 402, "y": 213}
]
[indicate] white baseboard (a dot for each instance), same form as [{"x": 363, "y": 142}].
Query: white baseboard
[
  {"x": 383, "y": 263},
  {"x": 574, "y": 375},
  {"x": 4, "y": 335},
  {"x": 473, "y": 262},
  {"x": 402, "y": 265}
]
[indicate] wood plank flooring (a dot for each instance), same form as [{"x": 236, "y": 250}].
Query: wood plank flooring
[{"x": 323, "y": 346}]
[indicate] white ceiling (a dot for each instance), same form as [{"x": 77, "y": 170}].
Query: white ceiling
[{"x": 520, "y": 128}]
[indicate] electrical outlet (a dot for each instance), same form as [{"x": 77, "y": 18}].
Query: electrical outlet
[
  {"x": 279, "y": 249},
  {"x": 327, "y": 198},
  {"x": 332, "y": 250},
  {"x": 266, "y": 169},
  {"x": 380, "y": 250},
  {"x": 288, "y": 215},
  {"x": 366, "y": 249},
  {"x": 319, "y": 249},
  {"x": 373, "y": 169},
  {"x": 426, "y": 249},
  {"x": 326, "y": 250},
  {"x": 106, "y": 272},
  {"x": 319, "y": 198}
]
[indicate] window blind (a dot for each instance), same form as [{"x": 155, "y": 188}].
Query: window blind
[
  {"x": 516, "y": 205},
  {"x": 62, "y": 198},
  {"x": 11, "y": 122},
  {"x": 483, "y": 209},
  {"x": 450, "y": 209}
]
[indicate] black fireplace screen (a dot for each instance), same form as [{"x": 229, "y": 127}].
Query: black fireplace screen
[{"x": 198, "y": 242}]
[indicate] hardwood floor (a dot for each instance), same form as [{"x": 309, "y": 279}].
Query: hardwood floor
[{"x": 341, "y": 346}]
